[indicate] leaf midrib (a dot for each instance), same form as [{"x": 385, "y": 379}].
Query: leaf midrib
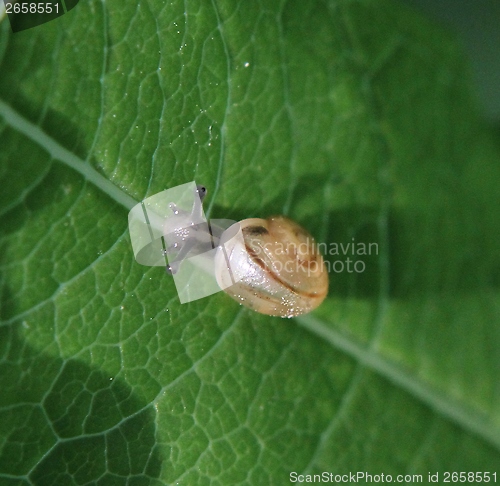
[
  {"x": 58, "y": 152},
  {"x": 472, "y": 420}
]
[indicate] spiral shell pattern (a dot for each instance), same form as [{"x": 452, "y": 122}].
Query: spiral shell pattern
[{"x": 278, "y": 269}]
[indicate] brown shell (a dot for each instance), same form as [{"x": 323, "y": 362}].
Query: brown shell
[{"x": 278, "y": 272}]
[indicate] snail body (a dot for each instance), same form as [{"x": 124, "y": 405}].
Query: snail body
[
  {"x": 276, "y": 270},
  {"x": 272, "y": 265}
]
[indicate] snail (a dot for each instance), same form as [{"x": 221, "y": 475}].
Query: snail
[{"x": 275, "y": 268}]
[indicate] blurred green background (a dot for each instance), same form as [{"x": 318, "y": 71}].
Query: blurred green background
[{"x": 477, "y": 23}]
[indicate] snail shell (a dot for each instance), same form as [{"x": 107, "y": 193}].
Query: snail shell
[{"x": 277, "y": 267}]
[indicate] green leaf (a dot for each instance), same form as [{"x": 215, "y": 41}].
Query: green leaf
[{"x": 353, "y": 117}]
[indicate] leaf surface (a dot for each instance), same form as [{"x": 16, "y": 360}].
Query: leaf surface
[{"x": 355, "y": 119}]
